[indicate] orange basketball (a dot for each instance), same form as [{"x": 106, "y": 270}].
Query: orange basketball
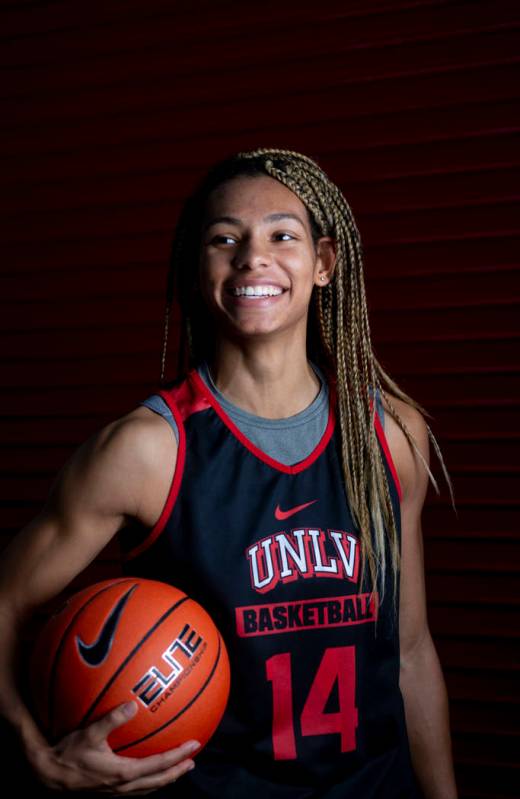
[{"x": 131, "y": 639}]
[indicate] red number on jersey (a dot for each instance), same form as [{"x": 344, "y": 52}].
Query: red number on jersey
[{"x": 338, "y": 663}]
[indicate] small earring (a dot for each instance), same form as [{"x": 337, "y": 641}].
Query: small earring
[{"x": 321, "y": 277}]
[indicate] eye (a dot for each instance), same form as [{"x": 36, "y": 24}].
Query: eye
[
  {"x": 284, "y": 233},
  {"x": 222, "y": 238}
]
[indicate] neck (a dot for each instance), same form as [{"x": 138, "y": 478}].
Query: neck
[{"x": 271, "y": 384}]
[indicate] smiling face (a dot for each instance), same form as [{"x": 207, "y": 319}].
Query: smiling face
[{"x": 258, "y": 261}]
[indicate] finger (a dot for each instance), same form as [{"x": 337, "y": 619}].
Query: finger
[
  {"x": 152, "y": 783},
  {"x": 133, "y": 768},
  {"x": 99, "y": 730}
]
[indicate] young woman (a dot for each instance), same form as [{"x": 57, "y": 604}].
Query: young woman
[{"x": 279, "y": 480}]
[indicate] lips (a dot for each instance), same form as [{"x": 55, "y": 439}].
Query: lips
[{"x": 254, "y": 301}]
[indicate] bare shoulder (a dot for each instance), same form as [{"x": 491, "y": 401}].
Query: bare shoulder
[
  {"x": 120, "y": 472},
  {"x": 145, "y": 447},
  {"x": 410, "y": 468}
]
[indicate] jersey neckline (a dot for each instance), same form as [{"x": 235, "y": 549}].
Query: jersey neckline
[{"x": 294, "y": 468}]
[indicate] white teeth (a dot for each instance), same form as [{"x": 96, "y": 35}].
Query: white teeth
[{"x": 256, "y": 291}]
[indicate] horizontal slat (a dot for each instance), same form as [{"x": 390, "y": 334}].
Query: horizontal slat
[
  {"x": 487, "y": 780},
  {"x": 88, "y": 401},
  {"x": 476, "y": 425},
  {"x": 379, "y": 162},
  {"x": 485, "y": 748},
  {"x": 484, "y": 588},
  {"x": 475, "y": 618},
  {"x": 474, "y": 357},
  {"x": 477, "y": 685},
  {"x": 400, "y": 323},
  {"x": 482, "y": 456},
  {"x": 329, "y": 32},
  {"x": 89, "y": 312},
  {"x": 138, "y": 280},
  {"x": 440, "y": 393},
  {"x": 466, "y": 554},
  {"x": 41, "y": 22},
  {"x": 485, "y": 716},
  {"x": 66, "y": 431},
  {"x": 366, "y": 131},
  {"x": 460, "y": 651},
  {"x": 472, "y": 520},
  {"x": 95, "y": 370},
  {"x": 492, "y": 490},
  {"x": 461, "y": 292}
]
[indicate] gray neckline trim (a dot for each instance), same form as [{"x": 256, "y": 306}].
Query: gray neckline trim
[{"x": 314, "y": 409}]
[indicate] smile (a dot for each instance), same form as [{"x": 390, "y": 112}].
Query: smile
[
  {"x": 262, "y": 300},
  {"x": 256, "y": 291}
]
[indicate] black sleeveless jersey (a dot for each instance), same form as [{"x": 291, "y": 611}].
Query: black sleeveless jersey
[{"x": 273, "y": 554}]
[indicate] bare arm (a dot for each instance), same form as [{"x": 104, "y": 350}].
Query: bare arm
[
  {"x": 421, "y": 679},
  {"x": 111, "y": 478}
]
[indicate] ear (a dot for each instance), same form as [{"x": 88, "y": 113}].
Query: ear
[{"x": 325, "y": 260}]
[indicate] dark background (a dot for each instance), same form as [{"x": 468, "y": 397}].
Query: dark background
[{"x": 111, "y": 111}]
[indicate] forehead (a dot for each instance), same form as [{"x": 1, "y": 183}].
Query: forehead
[{"x": 247, "y": 195}]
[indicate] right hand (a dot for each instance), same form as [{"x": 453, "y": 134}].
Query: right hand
[{"x": 83, "y": 760}]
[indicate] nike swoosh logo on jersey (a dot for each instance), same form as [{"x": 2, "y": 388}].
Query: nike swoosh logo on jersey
[
  {"x": 284, "y": 514},
  {"x": 95, "y": 653}
]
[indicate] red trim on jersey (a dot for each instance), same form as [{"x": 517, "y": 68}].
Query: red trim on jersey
[
  {"x": 282, "y": 467},
  {"x": 384, "y": 443},
  {"x": 187, "y": 399},
  {"x": 175, "y": 484}
]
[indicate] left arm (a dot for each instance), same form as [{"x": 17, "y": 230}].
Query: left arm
[{"x": 421, "y": 679}]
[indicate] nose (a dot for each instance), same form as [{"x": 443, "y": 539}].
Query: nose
[{"x": 253, "y": 253}]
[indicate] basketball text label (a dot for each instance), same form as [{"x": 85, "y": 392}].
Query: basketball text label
[{"x": 151, "y": 688}]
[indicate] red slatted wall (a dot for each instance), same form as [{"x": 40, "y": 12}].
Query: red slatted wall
[{"x": 111, "y": 112}]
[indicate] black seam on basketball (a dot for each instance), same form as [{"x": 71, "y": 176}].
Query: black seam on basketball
[
  {"x": 130, "y": 655},
  {"x": 61, "y": 646},
  {"x": 184, "y": 709}
]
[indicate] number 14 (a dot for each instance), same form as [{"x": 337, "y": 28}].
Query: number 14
[{"x": 338, "y": 663}]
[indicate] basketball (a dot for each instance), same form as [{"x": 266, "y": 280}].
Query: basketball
[{"x": 131, "y": 639}]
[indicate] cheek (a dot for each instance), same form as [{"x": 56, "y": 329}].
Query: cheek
[{"x": 303, "y": 271}]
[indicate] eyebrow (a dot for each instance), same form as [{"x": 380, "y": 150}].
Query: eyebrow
[{"x": 276, "y": 217}]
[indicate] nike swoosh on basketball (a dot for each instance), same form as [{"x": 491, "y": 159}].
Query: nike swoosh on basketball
[
  {"x": 95, "y": 653},
  {"x": 284, "y": 514}
]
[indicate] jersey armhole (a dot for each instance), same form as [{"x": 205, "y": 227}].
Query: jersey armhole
[
  {"x": 173, "y": 492},
  {"x": 388, "y": 455}
]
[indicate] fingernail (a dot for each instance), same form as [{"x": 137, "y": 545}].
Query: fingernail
[
  {"x": 192, "y": 746},
  {"x": 129, "y": 709}
]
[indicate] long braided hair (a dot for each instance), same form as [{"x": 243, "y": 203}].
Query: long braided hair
[{"x": 338, "y": 338}]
